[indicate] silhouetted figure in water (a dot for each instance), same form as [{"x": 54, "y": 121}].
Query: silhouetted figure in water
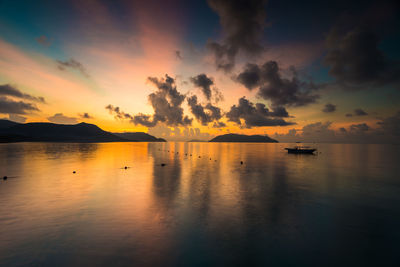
[
  {"x": 74, "y": 172},
  {"x": 125, "y": 167},
  {"x": 5, "y": 178},
  {"x": 241, "y": 162},
  {"x": 199, "y": 157},
  {"x": 162, "y": 164}
]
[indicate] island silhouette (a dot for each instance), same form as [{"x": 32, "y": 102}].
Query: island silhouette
[
  {"x": 50, "y": 132},
  {"x": 241, "y": 138}
]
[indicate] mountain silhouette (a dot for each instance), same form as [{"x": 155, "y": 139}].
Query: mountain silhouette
[
  {"x": 241, "y": 138},
  {"x": 51, "y": 132},
  {"x": 139, "y": 136}
]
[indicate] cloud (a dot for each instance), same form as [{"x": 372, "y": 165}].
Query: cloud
[
  {"x": 243, "y": 23},
  {"x": 279, "y": 90},
  {"x": 166, "y": 102},
  {"x": 362, "y": 127},
  {"x": 178, "y": 54},
  {"x": 360, "y": 112},
  {"x": 9, "y": 90},
  {"x": 257, "y": 115},
  {"x": 199, "y": 112},
  {"x": 8, "y": 106},
  {"x": 176, "y": 134},
  {"x": 329, "y": 108},
  {"x": 61, "y": 119},
  {"x": 219, "y": 124},
  {"x": 203, "y": 82},
  {"x": 72, "y": 64},
  {"x": 85, "y": 116},
  {"x": 16, "y": 118},
  {"x": 356, "y": 61},
  {"x": 387, "y": 131},
  {"x": 118, "y": 113},
  {"x": 43, "y": 40}
]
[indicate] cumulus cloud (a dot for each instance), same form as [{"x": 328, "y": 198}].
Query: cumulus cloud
[
  {"x": 72, "y": 64},
  {"x": 166, "y": 102},
  {"x": 355, "y": 60},
  {"x": 273, "y": 86},
  {"x": 360, "y": 112},
  {"x": 257, "y": 115},
  {"x": 61, "y": 119},
  {"x": 243, "y": 23},
  {"x": 203, "y": 82},
  {"x": 329, "y": 108},
  {"x": 118, "y": 113},
  {"x": 8, "y": 106},
  {"x": 205, "y": 114},
  {"x": 9, "y": 90},
  {"x": 85, "y": 115}
]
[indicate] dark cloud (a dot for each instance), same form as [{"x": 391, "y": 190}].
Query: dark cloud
[
  {"x": 219, "y": 124},
  {"x": 61, "y": 119},
  {"x": 362, "y": 127},
  {"x": 118, "y": 113},
  {"x": 43, "y": 40},
  {"x": 200, "y": 112},
  {"x": 72, "y": 64},
  {"x": 250, "y": 77},
  {"x": 243, "y": 23},
  {"x": 9, "y": 90},
  {"x": 144, "y": 120},
  {"x": 329, "y": 108},
  {"x": 279, "y": 90},
  {"x": 257, "y": 115},
  {"x": 204, "y": 83},
  {"x": 166, "y": 102},
  {"x": 8, "y": 106},
  {"x": 85, "y": 116},
  {"x": 360, "y": 112},
  {"x": 355, "y": 60}
]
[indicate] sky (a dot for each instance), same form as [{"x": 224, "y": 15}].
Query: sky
[{"x": 294, "y": 70}]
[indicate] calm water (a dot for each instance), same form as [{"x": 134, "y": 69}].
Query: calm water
[{"x": 338, "y": 208}]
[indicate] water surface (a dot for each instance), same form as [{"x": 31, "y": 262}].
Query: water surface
[{"x": 338, "y": 208}]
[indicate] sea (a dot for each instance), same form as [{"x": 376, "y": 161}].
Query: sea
[{"x": 198, "y": 204}]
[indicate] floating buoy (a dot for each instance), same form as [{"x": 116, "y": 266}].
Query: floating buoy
[
  {"x": 74, "y": 172},
  {"x": 210, "y": 158},
  {"x": 199, "y": 157},
  {"x": 162, "y": 164},
  {"x": 125, "y": 167},
  {"x": 241, "y": 162},
  {"x": 190, "y": 154}
]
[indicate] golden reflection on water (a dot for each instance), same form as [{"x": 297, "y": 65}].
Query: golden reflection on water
[{"x": 202, "y": 201}]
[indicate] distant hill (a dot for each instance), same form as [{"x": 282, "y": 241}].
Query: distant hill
[
  {"x": 139, "y": 136},
  {"x": 50, "y": 132},
  {"x": 4, "y": 124},
  {"x": 241, "y": 138}
]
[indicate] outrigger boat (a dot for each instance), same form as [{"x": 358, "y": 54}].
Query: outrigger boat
[{"x": 300, "y": 150}]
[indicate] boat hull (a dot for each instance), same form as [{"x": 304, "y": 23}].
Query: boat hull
[{"x": 300, "y": 151}]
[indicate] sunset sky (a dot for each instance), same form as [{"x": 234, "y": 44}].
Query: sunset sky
[{"x": 295, "y": 70}]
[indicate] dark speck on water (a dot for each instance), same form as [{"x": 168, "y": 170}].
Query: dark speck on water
[
  {"x": 5, "y": 178},
  {"x": 338, "y": 209}
]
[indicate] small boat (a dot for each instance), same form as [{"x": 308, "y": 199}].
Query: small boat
[{"x": 300, "y": 150}]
